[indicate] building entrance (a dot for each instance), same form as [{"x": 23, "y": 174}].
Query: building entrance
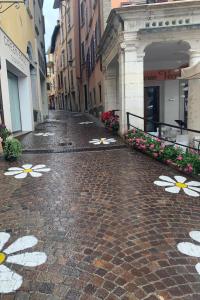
[
  {"x": 151, "y": 107},
  {"x": 14, "y": 102}
]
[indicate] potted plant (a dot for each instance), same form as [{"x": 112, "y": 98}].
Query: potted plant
[
  {"x": 4, "y": 134},
  {"x": 111, "y": 121},
  {"x": 12, "y": 149}
]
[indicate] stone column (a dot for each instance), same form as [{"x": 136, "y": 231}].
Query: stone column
[
  {"x": 131, "y": 81},
  {"x": 110, "y": 87},
  {"x": 194, "y": 95}
]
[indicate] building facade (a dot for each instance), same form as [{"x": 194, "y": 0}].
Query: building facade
[
  {"x": 145, "y": 49},
  {"x": 68, "y": 68},
  {"x": 82, "y": 23},
  {"x": 19, "y": 86}
]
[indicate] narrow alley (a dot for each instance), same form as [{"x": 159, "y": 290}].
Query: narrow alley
[{"x": 102, "y": 226}]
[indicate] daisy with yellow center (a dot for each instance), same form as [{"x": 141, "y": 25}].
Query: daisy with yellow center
[
  {"x": 103, "y": 141},
  {"x": 191, "y": 188},
  {"x": 34, "y": 171},
  {"x": 9, "y": 280}
]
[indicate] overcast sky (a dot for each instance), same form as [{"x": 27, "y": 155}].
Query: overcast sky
[{"x": 51, "y": 16}]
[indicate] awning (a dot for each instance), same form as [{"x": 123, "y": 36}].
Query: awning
[{"x": 192, "y": 72}]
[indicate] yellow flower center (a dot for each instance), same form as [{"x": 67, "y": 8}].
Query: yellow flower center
[
  {"x": 28, "y": 170},
  {"x": 102, "y": 140},
  {"x": 181, "y": 185},
  {"x": 2, "y": 258}
]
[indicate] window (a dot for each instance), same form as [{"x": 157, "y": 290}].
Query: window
[
  {"x": 82, "y": 52},
  {"x": 70, "y": 50},
  {"x": 100, "y": 93},
  {"x": 72, "y": 78},
  {"x": 94, "y": 93},
  {"x": 68, "y": 16},
  {"x": 82, "y": 15}
]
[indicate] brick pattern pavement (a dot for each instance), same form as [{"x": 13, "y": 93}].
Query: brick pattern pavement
[
  {"x": 108, "y": 231},
  {"x": 69, "y": 135}
]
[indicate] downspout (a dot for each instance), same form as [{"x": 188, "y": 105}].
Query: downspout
[{"x": 80, "y": 67}]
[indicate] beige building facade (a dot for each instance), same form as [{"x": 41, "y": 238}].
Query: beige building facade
[{"x": 20, "y": 81}]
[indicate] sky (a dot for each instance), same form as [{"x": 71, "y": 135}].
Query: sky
[{"x": 51, "y": 16}]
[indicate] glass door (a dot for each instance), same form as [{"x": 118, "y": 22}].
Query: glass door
[
  {"x": 151, "y": 107},
  {"x": 14, "y": 102}
]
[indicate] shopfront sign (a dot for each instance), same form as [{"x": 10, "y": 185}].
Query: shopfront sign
[
  {"x": 159, "y": 75},
  {"x": 12, "y": 54}
]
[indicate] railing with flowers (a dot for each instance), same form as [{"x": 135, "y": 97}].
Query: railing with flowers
[{"x": 180, "y": 155}]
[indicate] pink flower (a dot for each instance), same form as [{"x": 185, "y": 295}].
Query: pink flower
[
  {"x": 137, "y": 140},
  {"x": 158, "y": 140},
  {"x": 168, "y": 161},
  {"x": 190, "y": 168},
  {"x": 152, "y": 146},
  {"x": 180, "y": 157},
  {"x": 155, "y": 155}
]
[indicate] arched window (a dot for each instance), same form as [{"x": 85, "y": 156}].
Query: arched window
[{"x": 30, "y": 51}]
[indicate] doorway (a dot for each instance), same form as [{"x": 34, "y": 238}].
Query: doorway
[
  {"x": 151, "y": 107},
  {"x": 14, "y": 102},
  {"x": 85, "y": 95}
]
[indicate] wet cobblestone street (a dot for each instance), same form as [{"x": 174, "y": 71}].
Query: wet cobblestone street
[{"x": 107, "y": 230}]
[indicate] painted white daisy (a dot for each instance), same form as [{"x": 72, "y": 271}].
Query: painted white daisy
[
  {"x": 190, "y": 248},
  {"x": 191, "y": 188},
  {"x": 44, "y": 134},
  {"x": 22, "y": 172},
  {"x": 103, "y": 141},
  {"x": 86, "y": 123},
  {"x": 9, "y": 280}
]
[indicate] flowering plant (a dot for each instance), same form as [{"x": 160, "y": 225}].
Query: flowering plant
[
  {"x": 110, "y": 120},
  {"x": 188, "y": 161},
  {"x": 4, "y": 132}
]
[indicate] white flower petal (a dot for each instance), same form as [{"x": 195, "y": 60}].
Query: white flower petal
[
  {"x": 11, "y": 173},
  {"x": 28, "y": 259},
  {"x": 38, "y": 167},
  {"x": 193, "y": 183},
  {"x": 21, "y": 175},
  {"x": 189, "y": 192},
  {"x": 194, "y": 188},
  {"x": 28, "y": 166},
  {"x": 173, "y": 189},
  {"x": 105, "y": 142},
  {"x": 198, "y": 267},
  {"x": 167, "y": 178},
  {"x": 189, "y": 249},
  {"x": 9, "y": 280},
  {"x": 163, "y": 183},
  {"x": 15, "y": 169},
  {"x": 35, "y": 174},
  {"x": 39, "y": 134},
  {"x": 43, "y": 170},
  {"x": 111, "y": 140},
  {"x": 22, "y": 243},
  {"x": 195, "y": 235},
  {"x": 180, "y": 179},
  {"x": 4, "y": 237}
]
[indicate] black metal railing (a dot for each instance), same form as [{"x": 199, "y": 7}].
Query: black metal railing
[{"x": 159, "y": 125}]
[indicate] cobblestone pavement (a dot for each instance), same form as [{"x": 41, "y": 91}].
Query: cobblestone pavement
[
  {"x": 69, "y": 134},
  {"x": 107, "y": 230}
]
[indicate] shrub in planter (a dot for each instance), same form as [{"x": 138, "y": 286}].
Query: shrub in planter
[
  {"x": 4, "y": 133},
  {"x": 12, "y": 149}
]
